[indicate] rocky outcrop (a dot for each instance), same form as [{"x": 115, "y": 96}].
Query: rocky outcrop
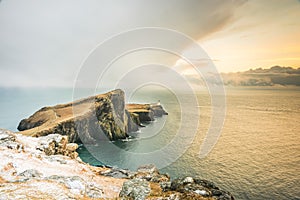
[
  {"x": 151, "y": 173},
  {"x": 149, "y": 183},
  {"x": 145, "y": 172},
  {"x": 57, "y": 144},
  {"x": 95, "y": 118},
  {"x": 137, "y": 189},
  {"x": 40, "y": 168},
  {"x": 145, "y": 112},
  {"x": 196, "y": 188}
]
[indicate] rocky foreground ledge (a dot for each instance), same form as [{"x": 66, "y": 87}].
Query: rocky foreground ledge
[
  {"x": 48, "y": 168},
  {"x": 88, "y": 120}
]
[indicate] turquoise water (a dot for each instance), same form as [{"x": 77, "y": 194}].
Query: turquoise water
[{"x": 257, "y": 155}]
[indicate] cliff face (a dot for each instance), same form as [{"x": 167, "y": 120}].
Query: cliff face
[
  {"x": 87, "y": 120},
  {"x": 145, "y": 112}
]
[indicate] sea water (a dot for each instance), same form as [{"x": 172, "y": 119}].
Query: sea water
[{"x": 256, "y": 157}]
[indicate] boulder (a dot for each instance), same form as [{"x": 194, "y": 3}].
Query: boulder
[
  {"x": 57, "y": 144},
  {"x": 197, "y": 187},
  {"x": 162, "y": 188},
  {"x": 8, "y": 140},
  {"x": 137, "y": 189},
  {"x": 6, "y": 136},
  {"x": 151, "y": 173},
  {"x": 71, "y": 147},
  {"x": 118, "y": 173}
]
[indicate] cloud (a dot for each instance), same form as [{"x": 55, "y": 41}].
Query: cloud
[
  {"x": 44, "y": 42},
  {"x": 264, "y": 77}
]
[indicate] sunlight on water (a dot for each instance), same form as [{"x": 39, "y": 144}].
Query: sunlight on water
[{"x": 256, "y": 157}]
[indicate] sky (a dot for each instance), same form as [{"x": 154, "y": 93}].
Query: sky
[
  {"x": 264, "y": 33},
  {"x": 44, "y": 43}
]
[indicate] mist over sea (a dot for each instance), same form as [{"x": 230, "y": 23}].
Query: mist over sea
[{"x": 256, "y": 157}]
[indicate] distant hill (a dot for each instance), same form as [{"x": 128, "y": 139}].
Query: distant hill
[{"x": 275, "y": 75}]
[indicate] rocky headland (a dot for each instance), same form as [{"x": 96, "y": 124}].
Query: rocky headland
[
  {"x": 104, "y": 116},
  {"x": 41, "y": 162}
]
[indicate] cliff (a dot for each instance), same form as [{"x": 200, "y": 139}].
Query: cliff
[
  {"x": 48, "y": 168},
  {"x": 145, "y": 112},
  {"x": 47, "y": 165},
  {"x": 104, "y": 116}
]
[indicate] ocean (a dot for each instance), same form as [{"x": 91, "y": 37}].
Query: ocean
[{"x": 257, "y": 155}]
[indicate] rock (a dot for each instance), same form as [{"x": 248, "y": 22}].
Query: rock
[
  {"x": 8, "y": 140},
  {"x": 148, "y": 169},
  {"x": 165, "y": 185},
  {"x": 132, "y": 121},
  {"x": 6, "y": 136},
  {"x": 196, "y": 186},
  {"x": 31, "y": 173},
  {"x": 54, "y": 144},
  {"x": 142, "y": 111},
  {"x": 74, "y": 183},
  {"x": 202, "y": 192},
  {"x": 216, "y": 193},
  {"x": 187, "y": 180},
  {"x": 146, "y": 112},
  {"x": 137, "y": 189},
  {"x": 198, "y": 189},
  {"x": 78, "y": 186},
  {"x": 222, "y": 195},
  {"x": 157, "y": 110},
  {"x": 71, "y": 147},
  {"x": 57, "y": 158},
  {"x": 88, "y": 120},
  {"x": 205, "y": 183},
  {"x": 177, "y": 185},
  {"x": 29, "y": 123},
  {"x": 34, "y": 189},
  {"x": 118, "y": 173},
  {"x": 151, "y": 173},
  {"x": 93, "y": 191},
  {"x": 174, "y": 197},
  {"x": 225, "y": 197}
]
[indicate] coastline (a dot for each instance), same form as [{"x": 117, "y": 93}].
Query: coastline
[
  {"x": 87, "y": 120},
  {"x": 34, "y": 160},
  {"x": 48, "y": 167}
]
